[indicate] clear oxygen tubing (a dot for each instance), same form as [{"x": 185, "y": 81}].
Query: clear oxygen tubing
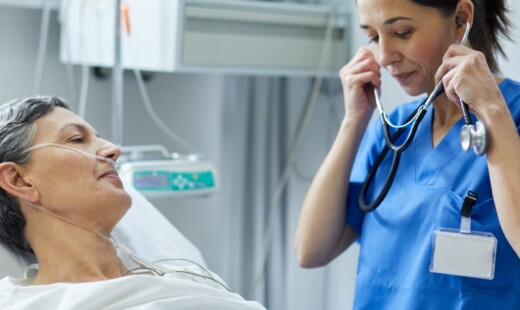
[
  {"x": 143, "y": 264},
  {"x": 259, "y": 276},
  {"x": 42, "y": 48},
  {"x": 415, "y": 118},
  {"x": 39, "y": 146}
]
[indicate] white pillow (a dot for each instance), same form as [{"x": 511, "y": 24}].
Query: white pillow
[
  {"x": 150, "y": 235},
  {"x": 143, "y": 229}
]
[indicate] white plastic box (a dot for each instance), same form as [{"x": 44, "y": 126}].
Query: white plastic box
[{"x": 222, "y": 36}]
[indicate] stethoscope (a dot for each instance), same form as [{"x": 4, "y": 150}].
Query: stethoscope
[{"x": 471, "y": 136}]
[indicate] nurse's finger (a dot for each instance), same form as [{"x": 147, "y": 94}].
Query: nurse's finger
[
  {"x": 364, "y": 51},
  {"x": 446, "y": 66},
  {"x": 364, "y": 66},
  {"x": 362, "y": 54},
  {"x": 361, "y": 80},
  {"x": 449, "y": 83},
  {"x": 458, "y": 50}
]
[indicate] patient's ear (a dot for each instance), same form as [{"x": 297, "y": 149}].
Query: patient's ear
[{"x": 13, "y": 182}]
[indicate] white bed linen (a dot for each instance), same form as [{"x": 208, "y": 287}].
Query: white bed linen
[{"x": 173, "y": 291}]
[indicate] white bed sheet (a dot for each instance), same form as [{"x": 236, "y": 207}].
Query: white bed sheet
[{"x": 132, "y": 292}]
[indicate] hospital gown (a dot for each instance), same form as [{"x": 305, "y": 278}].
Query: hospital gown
[
  {"x": 427, "y": 194},
  {"x": 173, "y": 291}
]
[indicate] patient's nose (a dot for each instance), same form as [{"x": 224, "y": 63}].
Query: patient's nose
[{"x": 109, "y": 150}]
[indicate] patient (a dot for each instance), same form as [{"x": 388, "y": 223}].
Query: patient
[{"x": 60, "y": 197}]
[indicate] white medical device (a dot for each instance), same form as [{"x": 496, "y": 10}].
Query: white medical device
[{"x": 156, "y": 173}]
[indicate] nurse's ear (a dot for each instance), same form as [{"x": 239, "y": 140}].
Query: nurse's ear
[
  {"x": 13, "y": 182},
  {"x": 464, "y": 13}
]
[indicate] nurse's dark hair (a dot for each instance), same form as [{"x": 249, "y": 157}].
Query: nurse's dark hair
[
  {"x": 17, "y": 131},
  {"x": 489, "y": 23}
]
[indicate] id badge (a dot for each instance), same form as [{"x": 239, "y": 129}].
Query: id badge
[{"x": 464, "y": 254}]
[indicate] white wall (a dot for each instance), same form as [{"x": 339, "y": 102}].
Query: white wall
[{"x": 511, "y": 67}]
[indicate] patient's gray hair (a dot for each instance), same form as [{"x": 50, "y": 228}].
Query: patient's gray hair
[{"x": 17, "y": 130}]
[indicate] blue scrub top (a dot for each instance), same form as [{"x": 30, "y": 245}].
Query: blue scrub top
[{"x": 427, "y": 194}]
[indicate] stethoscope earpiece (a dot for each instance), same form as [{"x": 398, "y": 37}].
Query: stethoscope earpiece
[{"x": 474, "y": 136}]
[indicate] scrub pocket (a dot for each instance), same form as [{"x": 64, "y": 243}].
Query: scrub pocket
[{"x": 483, "y": 218}]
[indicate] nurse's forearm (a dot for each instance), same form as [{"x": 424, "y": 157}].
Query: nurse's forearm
[
  {"x": 503, "y": 158},
  {"x": 322, "y": 233}
]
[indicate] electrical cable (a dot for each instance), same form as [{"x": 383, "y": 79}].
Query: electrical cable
[
  {"x": 155, "y": 117},
  {"x": 144, "y": 93},
  {"x": 332, "y": 120},
  {"x": 69, "y": 68},
  {"x": 186, "y": 260},
  {"x": 325, "y": 288},
  {"x": 85, "y": 74},
  {"x": 83, "y": 94},
  {"x": 42, "y": 47},
  {"x": 282, "y": 183}
]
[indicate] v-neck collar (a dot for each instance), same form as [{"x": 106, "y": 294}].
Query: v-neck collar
[{"x": 429, "y": 160}]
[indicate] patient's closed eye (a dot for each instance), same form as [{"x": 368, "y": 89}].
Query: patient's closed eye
[{"x": 77, "y": 139}]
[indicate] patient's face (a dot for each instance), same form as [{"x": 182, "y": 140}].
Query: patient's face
[{"x": 70, "y": 184}]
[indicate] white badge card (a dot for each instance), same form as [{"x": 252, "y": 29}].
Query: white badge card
[{"x": 464, "y": 254}]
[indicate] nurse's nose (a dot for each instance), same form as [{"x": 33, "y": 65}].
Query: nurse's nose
[{"x": 387, "y": 53}]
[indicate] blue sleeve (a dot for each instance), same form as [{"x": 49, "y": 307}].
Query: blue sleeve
[{"x": 355, "y": 216}]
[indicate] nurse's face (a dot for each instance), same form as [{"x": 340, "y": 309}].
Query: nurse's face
[
  {"x": 79, "y": 188},
  {"x": 407, "y": 39}
]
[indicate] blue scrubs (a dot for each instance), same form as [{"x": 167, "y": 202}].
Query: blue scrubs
[{"x": 427, "y": 194}]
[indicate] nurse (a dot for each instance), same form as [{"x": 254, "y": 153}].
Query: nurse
[{"x": 417, "y": 42}]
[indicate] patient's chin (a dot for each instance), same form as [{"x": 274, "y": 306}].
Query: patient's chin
[
  {"x": 126, "y": 200},
  {"x": 121, "y": 199}
]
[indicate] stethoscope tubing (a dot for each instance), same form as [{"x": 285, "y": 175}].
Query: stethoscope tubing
[
  {"x": 419, "y": 114},
  {"x": 395, "y": 161}
]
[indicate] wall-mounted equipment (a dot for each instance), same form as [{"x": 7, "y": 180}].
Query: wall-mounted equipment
[{"x": 221, "y": 36}]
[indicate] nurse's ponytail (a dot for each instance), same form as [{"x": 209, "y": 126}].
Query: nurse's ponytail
[{"x": 489, "y": 24}]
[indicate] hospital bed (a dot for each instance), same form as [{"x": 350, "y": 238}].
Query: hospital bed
[{"x": 143, "y": 229}]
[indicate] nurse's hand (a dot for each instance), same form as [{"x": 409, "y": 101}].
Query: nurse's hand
[
  {"x": 466, "y": 76},
  {"x": 358, "y": 78}
]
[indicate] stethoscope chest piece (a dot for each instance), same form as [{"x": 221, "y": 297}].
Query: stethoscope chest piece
[{"x": 474, "y": 136}]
